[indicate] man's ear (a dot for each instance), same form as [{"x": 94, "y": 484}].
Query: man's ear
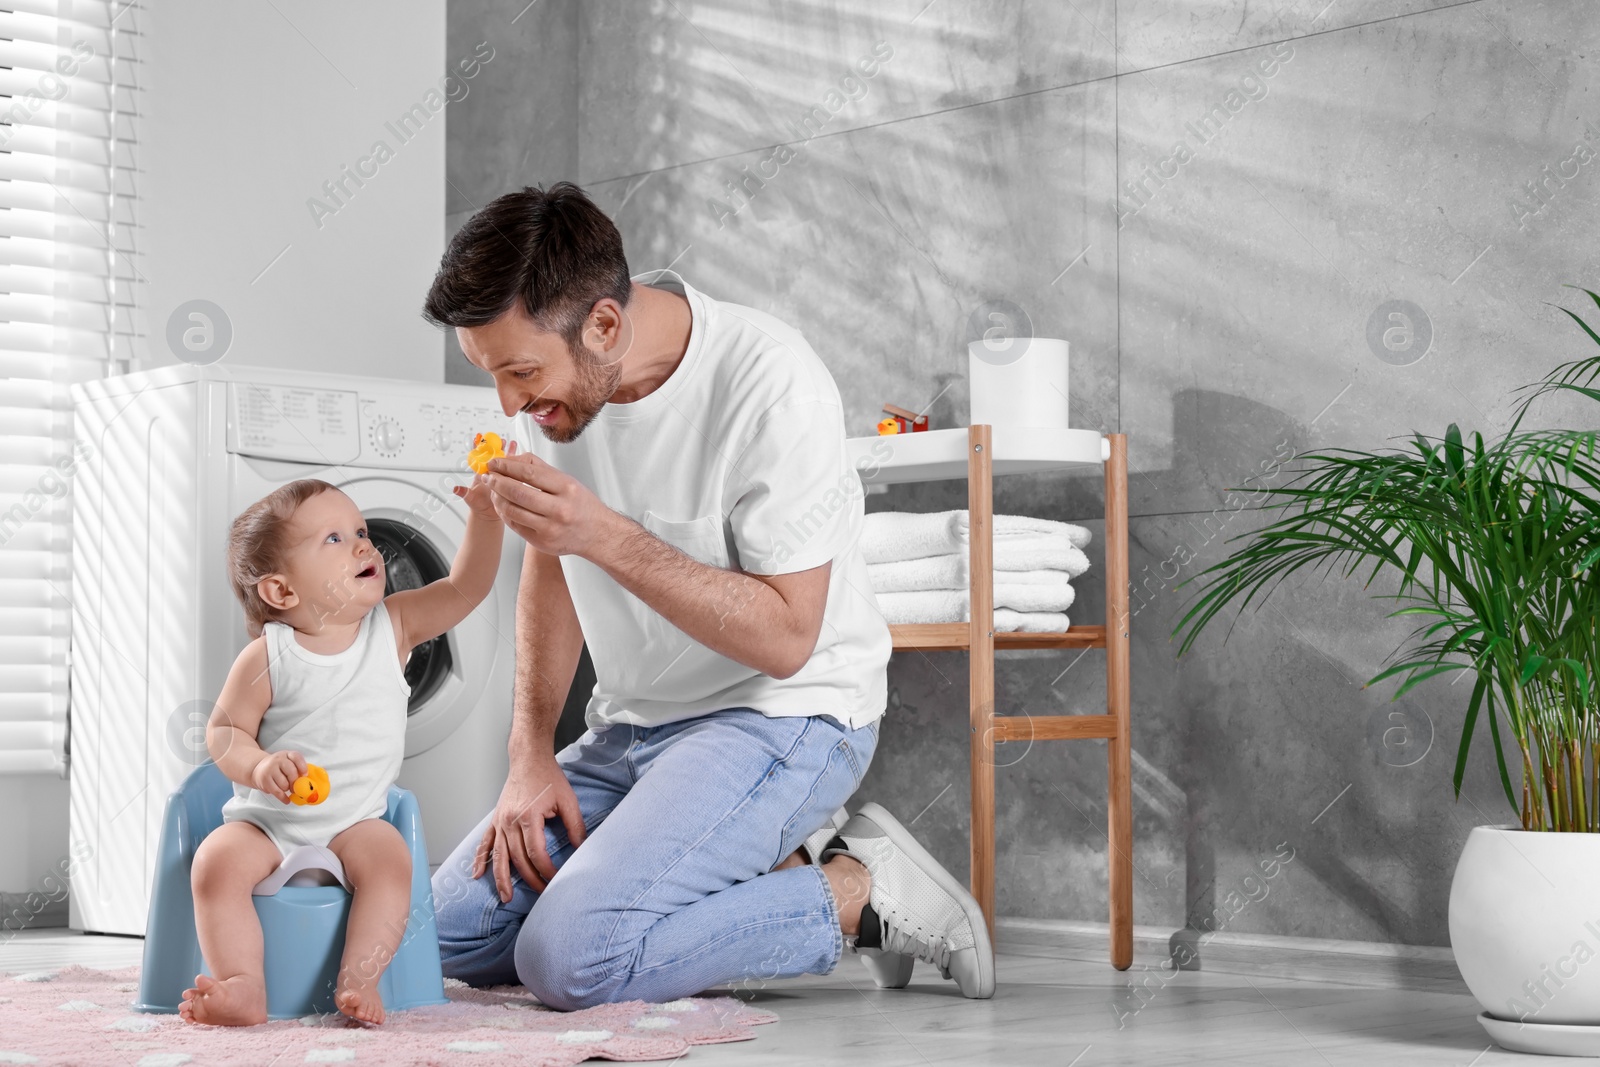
[
  {"x": 275, "y": 593},
  {"x": 604, "y": 328}
]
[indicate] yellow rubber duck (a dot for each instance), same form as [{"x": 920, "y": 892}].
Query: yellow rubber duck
[
  {"x": 485, "y": 446},
  {"x": 311, "y": 787}
]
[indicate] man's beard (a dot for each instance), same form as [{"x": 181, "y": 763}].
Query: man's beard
[{"x": 592, "y": 387}]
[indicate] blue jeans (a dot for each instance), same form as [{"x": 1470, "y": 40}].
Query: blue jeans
[{"x": 672, "y": 891}]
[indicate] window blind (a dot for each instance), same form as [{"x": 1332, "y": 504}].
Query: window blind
[{"x": 69, "y": 310}]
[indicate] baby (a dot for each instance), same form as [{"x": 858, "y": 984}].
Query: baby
[{"x": 322, "y": 682}]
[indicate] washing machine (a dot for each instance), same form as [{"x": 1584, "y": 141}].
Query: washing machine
[{"x": 173, "y": 455}]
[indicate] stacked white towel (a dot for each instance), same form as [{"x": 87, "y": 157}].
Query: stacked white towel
[{"x": 918, "y": 566}]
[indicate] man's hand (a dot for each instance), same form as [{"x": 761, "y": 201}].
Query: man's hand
[
  {"x": 515, "y": 837},
  {"x": 275, "y": 773},
  {"x": 553, "y": 512},
  {"x": 477, "y": 494}
]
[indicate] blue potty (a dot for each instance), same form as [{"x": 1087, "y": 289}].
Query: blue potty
[{"x": 302, "y": 926}]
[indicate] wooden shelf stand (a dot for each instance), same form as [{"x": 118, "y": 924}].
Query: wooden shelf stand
[{"x": 978, "y": 639}]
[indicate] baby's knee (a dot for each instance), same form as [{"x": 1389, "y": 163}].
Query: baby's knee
[
  {"x": 232, "y": 855},
  {"x": 376, "y": 853},
  {"x": 210, "y": 870}
]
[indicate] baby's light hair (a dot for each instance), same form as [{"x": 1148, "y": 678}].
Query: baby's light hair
[{"x": 256, "y": 544}]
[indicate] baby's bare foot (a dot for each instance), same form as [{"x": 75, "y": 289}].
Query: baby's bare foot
[
  {"x": 237, "y": 1001},
  {"x": 359, "y": 1000}
]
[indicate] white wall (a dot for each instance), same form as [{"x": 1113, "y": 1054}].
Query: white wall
[
  {"x": 33, "y": 840},
  {"x": 249, "y": 109},
  {"x": 246, "y": 112}
]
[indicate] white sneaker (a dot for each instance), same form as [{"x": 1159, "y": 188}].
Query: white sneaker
[
  {"x": 813, "y": 845},
  {"x": 921, "y": 910},
  {"x": 889, "y": 970}
]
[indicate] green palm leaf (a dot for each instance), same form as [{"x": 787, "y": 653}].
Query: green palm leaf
[{"x": 1494, "y": 546}]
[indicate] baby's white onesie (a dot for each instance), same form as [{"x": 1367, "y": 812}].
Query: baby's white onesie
[{"x": 345, "y": 712}]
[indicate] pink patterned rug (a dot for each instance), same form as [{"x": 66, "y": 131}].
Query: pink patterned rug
[{"x": 78, "y": 1015}]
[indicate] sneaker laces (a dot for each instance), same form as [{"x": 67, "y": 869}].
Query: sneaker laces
[{"x": 910, "y": 939}]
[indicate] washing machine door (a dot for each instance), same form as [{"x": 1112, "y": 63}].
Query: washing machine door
[{"x": 418, "y": 531}]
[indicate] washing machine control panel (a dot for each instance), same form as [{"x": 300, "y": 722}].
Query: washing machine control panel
[
  {"x": 293, "y": 423},
  {"x": 339, "y": 427},
  {"x": 421, "y": 434}
]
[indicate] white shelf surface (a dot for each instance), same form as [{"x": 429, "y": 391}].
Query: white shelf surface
[{"x": 935, "y": 455}]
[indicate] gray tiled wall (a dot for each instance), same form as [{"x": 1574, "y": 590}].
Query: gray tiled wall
[{"x": 1371, "y": 150}]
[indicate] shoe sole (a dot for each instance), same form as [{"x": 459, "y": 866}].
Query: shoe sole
[
  {"x": 888, "y": 970},
  {"x": 901, "y": 838}
]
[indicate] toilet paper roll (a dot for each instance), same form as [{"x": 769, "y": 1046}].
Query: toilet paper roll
[{"x": 1018, "y": 381}]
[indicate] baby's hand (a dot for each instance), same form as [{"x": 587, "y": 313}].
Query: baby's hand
[
  {"x": 477, "y": 494},
  {"x": 276, "y": 772}
]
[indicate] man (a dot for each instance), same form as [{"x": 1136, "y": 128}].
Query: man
[{"x": 688, "y": 509}]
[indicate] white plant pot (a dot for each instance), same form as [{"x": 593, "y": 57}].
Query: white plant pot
[{"x": 1525, "y": 929}]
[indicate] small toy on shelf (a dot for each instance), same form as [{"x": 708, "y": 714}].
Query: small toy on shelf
[
  {"x": 899, "y": 420},
  {"x": 311, "y": 787},
  {"x": 485, "y": 446}
]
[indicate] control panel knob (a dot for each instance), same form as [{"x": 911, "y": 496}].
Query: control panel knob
[{"x": 387, "y": 435}]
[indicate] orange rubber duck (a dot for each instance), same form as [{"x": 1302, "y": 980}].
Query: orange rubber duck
[
  {"x": 485, "y": 446},
  {"x": 311, "y": 787}
]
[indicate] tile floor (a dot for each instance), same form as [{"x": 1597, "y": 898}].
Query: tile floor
[{"x": 1059, "y": 1003}]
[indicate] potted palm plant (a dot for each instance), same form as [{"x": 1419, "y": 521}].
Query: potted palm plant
[{"x": 1494, "y": 545}]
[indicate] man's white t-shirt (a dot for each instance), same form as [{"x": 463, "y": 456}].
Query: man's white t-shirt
[{"x": 738, "y": 460}]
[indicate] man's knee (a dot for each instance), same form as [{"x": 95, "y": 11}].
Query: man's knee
[
  {"x": 472, "y": 947},
  {"x": 555, "y": 984},
  {"x": 566, "y": 953},
  {"x": 450, "y": 887},
  {"x": 461, "y": 906}
]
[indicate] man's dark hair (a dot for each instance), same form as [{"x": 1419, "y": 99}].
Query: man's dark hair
[{"x": 552, "y": 249}]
